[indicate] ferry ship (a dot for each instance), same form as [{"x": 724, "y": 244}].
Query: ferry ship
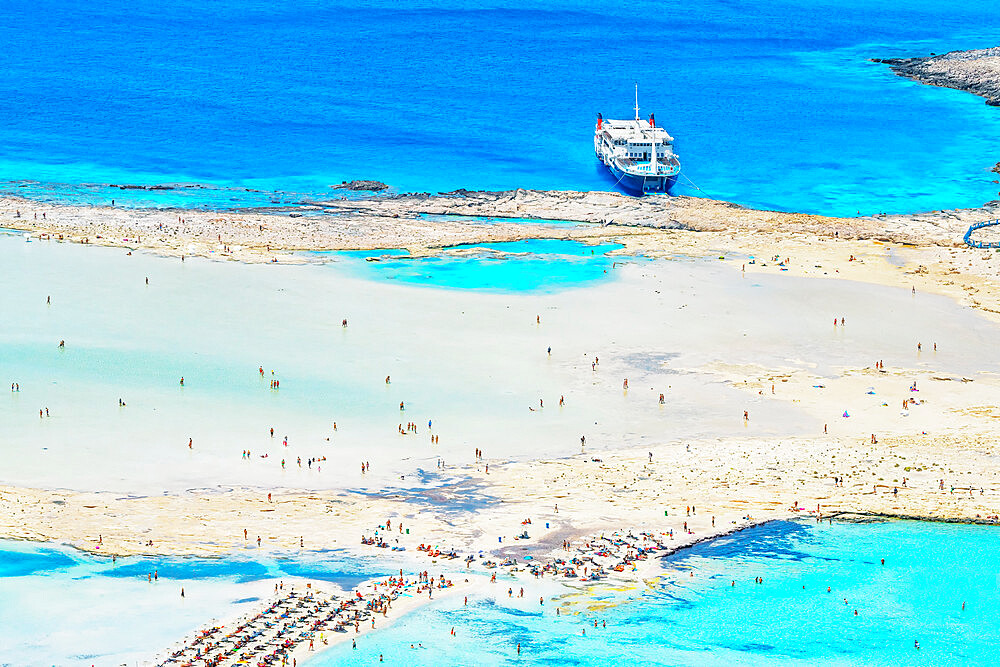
[{"x": 639, "y": 155}]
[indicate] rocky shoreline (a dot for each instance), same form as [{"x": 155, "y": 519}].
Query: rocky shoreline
[
  {"x": 424, "y": 223},
  {"x": 976, "y": 71}
]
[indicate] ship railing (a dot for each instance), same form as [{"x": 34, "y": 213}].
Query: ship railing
[{"x": 672, "y": 164}]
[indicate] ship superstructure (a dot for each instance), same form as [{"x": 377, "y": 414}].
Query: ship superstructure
[{"x": 639, "y": 155}]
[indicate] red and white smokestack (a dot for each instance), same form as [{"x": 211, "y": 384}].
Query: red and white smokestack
[{"x": 600, "y": 119}]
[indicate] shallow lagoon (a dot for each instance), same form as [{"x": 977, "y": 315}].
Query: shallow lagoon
[
  {"x": 930, "y": 570},
  {"x": 449, "y": 352},
  {"x": 63, "y": 607},
  {"x": 532, "y": 265}
]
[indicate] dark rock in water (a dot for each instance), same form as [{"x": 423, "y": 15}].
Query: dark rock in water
[
  {"x": 976, "y": 71},
  {"x": 364, "y": 186},
  {"x": 131, "y": 186},
  {"x": 996, "y": 168}
]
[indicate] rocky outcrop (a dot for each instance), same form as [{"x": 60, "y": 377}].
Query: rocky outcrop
[
  {"x": 976, "y": 72},
  {"x": 362, "y": 186}
]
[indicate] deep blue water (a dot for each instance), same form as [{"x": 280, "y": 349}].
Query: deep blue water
[
  {"x": 930, "y": 570},
  {"x": 772, "y": 104},
  {"x": 533, "y": 265}
]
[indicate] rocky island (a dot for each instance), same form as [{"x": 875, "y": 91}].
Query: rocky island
[{"x": 976, "y": 71}]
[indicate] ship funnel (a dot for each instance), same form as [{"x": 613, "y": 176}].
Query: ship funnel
[
  {"x": 652, "y": 121},
  {"x": 600, "y": 119}
]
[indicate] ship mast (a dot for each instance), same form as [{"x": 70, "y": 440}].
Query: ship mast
[{"x": 637, "y": 101}]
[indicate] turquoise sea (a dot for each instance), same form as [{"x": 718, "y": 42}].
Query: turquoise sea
[
  {"x": 930, "y": 571},
  {"x": 772, "y": 104},
  {"x": 72, "y": 608}
]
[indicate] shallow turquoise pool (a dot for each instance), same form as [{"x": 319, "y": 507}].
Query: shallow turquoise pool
[{"x": 533, "y": 265}]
